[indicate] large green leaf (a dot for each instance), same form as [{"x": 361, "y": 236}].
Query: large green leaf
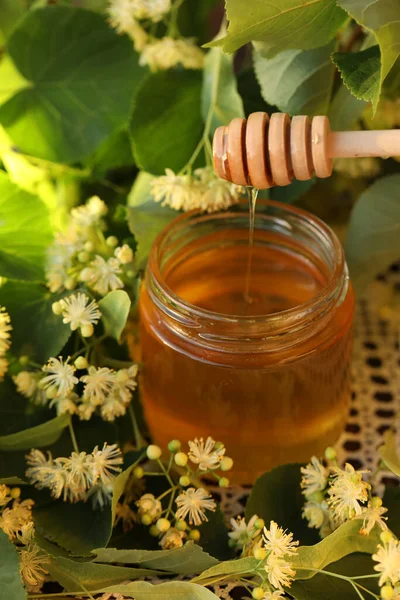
[
  {"x": 24, "y": 232},
  {"x": 114, "y": 312},
  {"x": 166, "y": 123},
  {"x": 146, "y": 218},
  {"x": 277, "y": 496},
  {"x": 10, "y": 12},
  {"x": 330, "y": 587},
  {"x": 82, "y": 576},
  {"x": 81, "y": 76},
  {"x": 229, "y": 568},
  {"x": 360, "y": 72},
  {"x": 188, "y": 560},
  {"x": 10, "y": 578},
  {"x": 345, "y": 109},
  {"x": 373, "y": 240},
  {"x": 172, "y": 590},
  {"x": 296, "y": 81},
  {"x": 383, "y": 18},
  {"x": 388, "y": 452},
  {"x": 220, "y": 100},
  {"x": 289, "y": 24},
  {"x": 35, "y": 437},
  {"x": 29, "y": 305},
  {"x": 343, "y": 541}
]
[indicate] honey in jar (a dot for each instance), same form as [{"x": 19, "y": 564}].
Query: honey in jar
[{"x": 265, "y": 369}]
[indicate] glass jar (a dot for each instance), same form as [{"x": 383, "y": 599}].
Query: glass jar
[{"x": 268, "y": 376}]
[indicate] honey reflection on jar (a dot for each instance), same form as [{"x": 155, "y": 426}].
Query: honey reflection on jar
[{"x": 269, "y": 377}]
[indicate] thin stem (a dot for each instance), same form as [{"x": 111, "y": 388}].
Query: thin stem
[
  {"x": 366, "y": 576},
  {"x": 139, "y": 439},
  {"x": 161, "y": 496},
  {"x": 195, "y": 154},
  {"x": 164, "y": 470},
  {"x": 73, "y": 437},
  {"x": 356, "y": 589},
  {"x": 366, "y": 590}
]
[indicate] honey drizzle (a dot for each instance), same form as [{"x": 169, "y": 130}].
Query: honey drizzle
[{"x": 252, "y": 195}]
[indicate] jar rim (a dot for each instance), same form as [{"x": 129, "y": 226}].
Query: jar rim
[{"x": 180, "y": 307}]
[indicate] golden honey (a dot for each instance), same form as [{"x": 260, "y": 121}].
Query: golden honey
[{"x": 265, "y": 370}]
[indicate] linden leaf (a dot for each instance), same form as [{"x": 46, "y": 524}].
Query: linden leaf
[{"x": 360, "y": 72}]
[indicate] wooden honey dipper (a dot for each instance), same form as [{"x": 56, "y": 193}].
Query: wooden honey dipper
[{"x": 264, "y": 151}]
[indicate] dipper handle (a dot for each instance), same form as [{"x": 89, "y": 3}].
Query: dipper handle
[{"x": 264, "y": 151}]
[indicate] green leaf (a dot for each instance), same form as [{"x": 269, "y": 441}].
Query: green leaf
[
  {"x": 220, "y": 100},
  {"x": 360, "y": 72},
  {"x": 146, "y": 218},
  {"x": 187, "y": 560},
  {"x": 120, "y": 483},
  {"x": 388, "y": 452},
  {"x": 166, "y": 123},
  {"x": 115, "y": 309},
  {"x": 79, "y": 576},
  {"x": 373, "y": 239},
  {"x": 29, "y": 305},
  {"x": 11, "y": 11},
  {"x": 296, "y": 81},
  {"x": 250, "y": 92},
  {"x": 277, "y": 496},
  {"x": 391, "y": 501},
  {"x": 172, "y": 590},
  {"x": 35, "y": 437},
  {"x": 343, "y": 541},
  {"x": 75, "y": 527},
  {"x": 237, "y": 567},
  {"x": 24, "y": 232},
  {"x": 81, "y": 76},
  {"x": 330, "y": 587},
  {"x": 382, "y": 17},
  {"x": 291, "y": 24},
  {"x": 214, "y": 536},
  {"x": 11, "y": 80},
  {"x": 345, "y": 109},
  {"x": 114, "y": 153},
  {"x": 10, "y": 578}
]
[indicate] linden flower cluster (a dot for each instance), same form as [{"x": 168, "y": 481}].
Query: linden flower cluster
[
  {"x": 105, "y": 391},
  {"x": 79, "y": 477},
  {"x": 335, "y": 495},
  {"x": 202, "y": 190},
  {"x": 5, "y": 342},
  {"x": 158, "y": 54},
  {"x": 387, "y": 558},
  {"x": 83, "y": 255},
  {"x": 16, "y": 522},
  {"x": 175, "y": 514},
  {"x": 274, "y": 552}
]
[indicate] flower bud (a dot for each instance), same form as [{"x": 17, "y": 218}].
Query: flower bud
[
  {"x": 69, "y": 283},
  {"x": 138, "y": 473},
  {"x": 174, "y": 446},
  {"x": 330, "y": 453},
  {"x": 112, "y": 241},
  {"x": 194, "y": 535},
  {"x": 83, "y": 256},
  {"x": 181, "y": 525},
  {"x": 258, "y": 593},
  {"x": 81, "y": 363},
  {"x": 163, "y": 525},
  {"x": 224, "y": 482},
  {"x": 376, "y": 502},
  {"x": 260, "y": 553},
  {"x": 387, "y": 592},
  {"x": 89, "y": 246},
  {"x": 259, "y": 524},
  {"x": 154, "y": 531},
  {"x": 184, "y": 481},
  {"x": 181, "y": 459},
  {"x": 153, "y": 452},
  {"x": 57, "y": 308},
  {"x": 218, "y": 445},
  {"x": 146, "y": 519},
  {"x": 226, "y": 464},
  {"x": 87, "y": 330},
  {"x": 24, "y": 360},
  {"x": 386, "y": 536},
  {"x": 15, "y": 492}
]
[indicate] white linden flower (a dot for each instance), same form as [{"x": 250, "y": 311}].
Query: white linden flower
[
  {"x": 149, "y": 505},
  {"x": 124, "y": 254},
  {"x": 13, "y": 519},
  {"x": 79, "y": 311},
  {"x": 346, "y": 492},
  {"x": 204, "y": 454},
  {"x": 106, "y": 462},
  {"x": 172, "y": 539},
  {"x": 85, "y": 411},
  {"x": 61, "y": 376},
  {"x": 45, "y": 472},
  {"x": 317, "y": 514},
  {"x": 65, "y": 405},
  {"x": 27, "y": 385},
  {"x": 102, "y": 275},
  {"x": 59, "y": 258},
  {"x": 315, "y": 477},
  {"x": 5, "y": 497},
  {"x": 167, "y": 53},
  {"x": 31, "y": 567},
  {"x": 173, "y": 190},
  {"x": 280, "y": 573},
  {"x": 125, "y": 384},
  {"x": 372, "y": 515},
  {"x": 98, "y": 384},
  {"x": 217, "y": 194},
  {"x": 388, "y": 559},
  {"x": 193, "y": 503},
  {"x": 80, "y": 471},
  {"x": 243, "y": 532},
  {"x": 276, "y": 595},
  {"x": 101, "y": 495},
  {"x": 123, "y": 21},
  {"x": 27, "y": 533},
  {"x": 90, "y": 213},
  {"x": 5, "y": 329},
  {"x": 112, "y": 408},
  {"x": 4, "y": 364},
  {"x": 279, "y": 542}
]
